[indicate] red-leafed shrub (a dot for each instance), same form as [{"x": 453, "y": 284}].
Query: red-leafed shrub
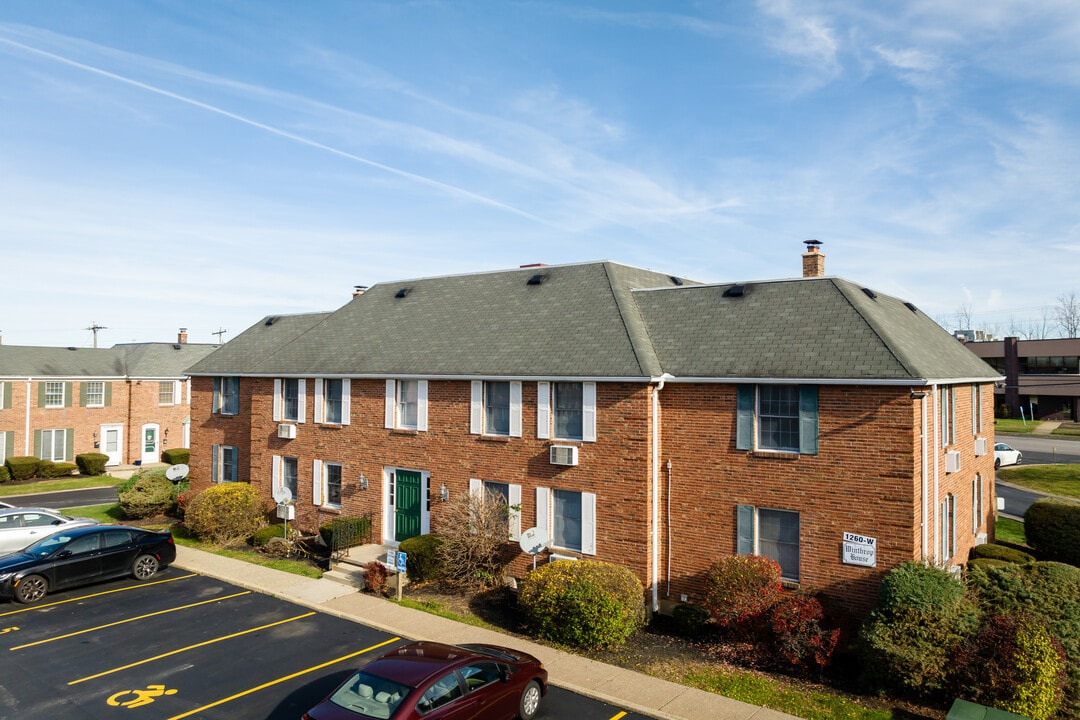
[
  {"x": 797, "y": 632},
  {"x": 376, "y": 577},
  {"x": 739, "y": 589},
  {"x": 183, "y": 500}
]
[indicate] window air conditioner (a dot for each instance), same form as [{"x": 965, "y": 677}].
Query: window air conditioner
[
  {"x": 952, "y": 461},
  {"x": 564, "y": 455},
  {"x": 555, "y": 557},
  {"x": 287, "y": 432},
  {"x": 980, "y": 446}
]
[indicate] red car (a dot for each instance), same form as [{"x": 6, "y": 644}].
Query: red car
[{"x": 435, "y": 681}]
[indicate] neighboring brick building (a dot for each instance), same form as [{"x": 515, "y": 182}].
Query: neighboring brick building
[
  {"x": 633, "y": 416},
  {"x": 129, "y": 401}
]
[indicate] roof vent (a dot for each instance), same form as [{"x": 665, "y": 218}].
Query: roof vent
[
  {"x": 402, "y": 293},
  {"x": 176, "y": 346},
  {"x": 911, "y": 307},
  {"x": 676, "y": 281},
  {"x": 72, "y": 348},
  {"x": 537, "y": 279},
  {"x": 735, "y": 291},
  {"x": 870, "y": 293},
  {"x": 271, "y": 320}
]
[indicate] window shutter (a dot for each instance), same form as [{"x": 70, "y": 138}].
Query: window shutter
[
  {"x": 952, "y": 416},
  {"x": 346, "y": 400},
  {"x": 745, "y": 531},
  {"x": 515, "y": 408},
  {"x": 5, "y": 396},
  {"x": 277, "y": 400},
  {"x": 108, "y": 394},
  {"x": 808, "y": 419},
  {"x": 476, "y": 408},
  {"x": 216, "y": 404},
  {"x": 318, "y": 402},
  {"x": 476, "y": 488},
  {"x": 41, "y": 394},
  {"x": 316, "y": 479},
  {"x": 214, "y": 472},
  {"x": 515, "y": 515},
  {"x": 301, "y": 405},
  {"x": 943, "y": 407},
  {"x": 178, "y": 392},
  {"x": 82, "y": 394},
  {"x": 543, "y": 510},
  {"x": 543, "y": 410},
  {"x": 68, "y": 390},
  {"x": 974, "y": 412},
  {"x": 275, "y": 472},
  {"x": 390, "y": 403},
  {"x": 9, "y": 444},
  {"x": 588, "y": 411},
  {"x": 37, "y": 444},
  {"x": 421, "y": 405},
  {"x": 69, "y": 445},
  {"x": 588, "y": 523},
  {"x": 744, "y": 423}
]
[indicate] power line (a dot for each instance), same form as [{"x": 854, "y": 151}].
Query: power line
[{"x": 94, "y": 327}]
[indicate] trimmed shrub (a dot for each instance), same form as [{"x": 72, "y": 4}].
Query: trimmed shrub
[
  {"x": 986, "y": 563},
  {"x": 1047, "y": 590},
  {"x": 908, "y": 639},
  {"x": 4, "y": 474},
  {"x": 1014, "y": 664},
  {"x": 739, "y": 589},
  {"x": 345, "y": 532},
  {"x": 376, "y": 577},
  {"x": 148, "y": 496},
  {"x": 91, "y": 463},
  {"x": 583, "y": 603},
  {"x": 1052, "y": 527},
  {"x": 49, "y": 469},
  {"x": 691, "y": 620},
  {"x": 176, "y": 456},
  {"x": 991, "y": 551},
  {"x": 424, "y": 561},
  {"x": 264, "y": 535},
  {"x": 797, "y": 632},
  {"x": 22, "y": 467},
  {"x": 224, "y": 513}
]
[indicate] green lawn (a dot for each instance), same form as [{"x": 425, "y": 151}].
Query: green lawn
[
  {"x": 1015, "y": 427},
  {"x": 71, "y": 483},
  {"x": 1009, "y": 530},
  {"x": 1051, "y": 479}
]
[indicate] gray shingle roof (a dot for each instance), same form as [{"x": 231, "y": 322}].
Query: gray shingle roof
[
  {"x": 150, "y": 360},
  {"x": 604, "y": 320}
]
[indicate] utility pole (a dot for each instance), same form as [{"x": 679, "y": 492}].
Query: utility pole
[
  {"x": 219, "y": 332},
  {"x": 94, "y": 327}
]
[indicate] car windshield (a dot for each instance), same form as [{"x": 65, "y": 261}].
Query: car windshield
[
  {"x": 370, "y": 696},
  {"x": 47, "y": 546}
]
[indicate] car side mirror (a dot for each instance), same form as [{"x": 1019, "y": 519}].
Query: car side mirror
[{"x": 504, "y": 673}]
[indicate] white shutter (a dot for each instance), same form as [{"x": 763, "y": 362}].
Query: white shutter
[
  {"x": 476, "y": 408},
  {"x": 515, "y": 515},
  {"x": 316, "y": 482},
  {"x": 346, "y": 400},
  {"x": 277, "y": 399},
  {"x": 515, "y": 408},
  {"x": 588, "y": 523},
  {"x": 301, "y": 405},
  {"x": 275, "y": 472},
  {"x": 543, "y": 410},
  {"x": 318, "y": 400},
  {"x": 476, "y": 488},
  {"x": 178, "y": 392},
  {"x": 421, "y": 405},
  {"x": 388, "y": 406},
  {"x": 543, "y": 510},
  {"x": 588, "y": 412}
]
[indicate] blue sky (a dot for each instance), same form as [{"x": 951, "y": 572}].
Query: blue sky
[{"x": 203, "y": 164}]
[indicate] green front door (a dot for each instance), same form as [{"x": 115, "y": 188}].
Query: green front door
[{"x": 407, "y": 511}]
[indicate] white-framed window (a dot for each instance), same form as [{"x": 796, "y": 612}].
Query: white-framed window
[
  {"x": 976, "y": 503},
  {"x": 566, "y": 410},
  {"x": 777, "y": 418},
  {"x": 406, "y": 404},
  {"x": 93, "y": 393},
  {"x": 948, "y": 528},
  {"x": 167, "y": 392},
  {"x": 947, "y": 398},
  {"x": 224, "y": 463},
  {"x": 226, "y": 395},
  {"x": 54, "y": 394},
  {"x": 290, "y": 400},
  {"x": 326, "y": 484},
  {"x": 284, "y": 472},
  {"x": 771, "y": 533},
  {"x": 508, "y": 494},
  {"x": 5, "y": 395},
  {"x": 53, "y": 444},
  {"x": 332, "y": 400},
  {"x": 569, "y": 518},
  {"x": 495, "y": 408}
]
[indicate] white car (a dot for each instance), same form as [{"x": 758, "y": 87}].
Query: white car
[
  {"x": 21, "y": 526},
  {"x": 1006, "y": 455}
]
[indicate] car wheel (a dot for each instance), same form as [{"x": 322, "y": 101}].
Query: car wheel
[
  {"x": 530, "y": 701},
  {"x": 997, "y": 463},
  {"x": 145, "y": 567},
  {"x": 31, "y": 589},
  {"x": 1019, "y": 457}
]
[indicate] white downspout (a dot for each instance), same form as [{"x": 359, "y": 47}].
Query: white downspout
[
  {"x": 655, "y": 510},
  {"x": 925, "y": 480},
  {"x": 937, "y": 474},
  {"x": 26, "y": 432}
]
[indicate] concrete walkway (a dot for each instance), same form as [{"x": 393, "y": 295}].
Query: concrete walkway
[
  {"x": 617, "y": 686},
  {"x": 1046, "y": 427}
]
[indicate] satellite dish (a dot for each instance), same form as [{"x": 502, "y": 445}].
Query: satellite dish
[
  {"x": 282, "y": 495},
  {"x": 533, "y": 540},
  {"x": 176, "y": 473}
]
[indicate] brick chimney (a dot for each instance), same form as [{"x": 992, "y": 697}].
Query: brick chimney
[
  {"x": 182, "y": 336},
  {"x": 813, "y": 260}
]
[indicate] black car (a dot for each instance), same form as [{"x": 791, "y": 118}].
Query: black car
[{"x": 83, "y": 555}]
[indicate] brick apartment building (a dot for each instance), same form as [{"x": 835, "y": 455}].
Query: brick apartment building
[
  {"x": 129, "y": 401},
  {"x": 632, "y": 416}
]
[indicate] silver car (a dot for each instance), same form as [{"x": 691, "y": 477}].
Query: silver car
[{"x": 21, "y": 526}]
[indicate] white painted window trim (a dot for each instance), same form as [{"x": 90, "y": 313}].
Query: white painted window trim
[{"x": 545, "y": 519}]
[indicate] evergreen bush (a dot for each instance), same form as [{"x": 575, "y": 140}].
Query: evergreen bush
[
  {"x": 91, "y": 463},
  {"x": 49, "y": 469},
  {"x": 1052, "y": 527},
  {"x": 992, "y": 551},
  {"x": 345, "y": 532},
  {"x": 225, "y": 513},
  {"x": 22, "y": 467},
  {"x": 264, "y": 535},
  {"x": 424, "y": 561},
  {"x": 739, "y": 589},
  {"x": 147, "y": 496},
  {"x": 4, "y": 474},
  {"x": 176, "y": 456},
  {"x": 691, "y": 620},
  {"x": 583, "y": 603}
]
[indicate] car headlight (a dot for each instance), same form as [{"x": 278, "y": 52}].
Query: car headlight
[{"x": 5, "y": 576}]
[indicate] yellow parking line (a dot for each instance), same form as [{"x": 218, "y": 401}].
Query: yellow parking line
[
  {"x": 265, "y": 685},
  {"x": 127, "y": 620},
  {"x": 94, "y": 595},
  {"x": 618, "y": 715},
  {"x": 191, "y": 647}
]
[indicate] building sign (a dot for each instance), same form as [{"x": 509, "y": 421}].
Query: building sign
[{"x": 860, "y": 550}]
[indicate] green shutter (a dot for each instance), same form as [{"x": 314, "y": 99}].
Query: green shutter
[
  {"x": 9, "y": 444},
  {"x": 5, "y": 396},
  {"x": 745, "y": 529},
  {"x": 67, "y": 394},
  {"x": 41, "y": 393},
  {"x": 808, "y": 419},
  {"x": 69, "y": 446},
  {"x": 217, "y": 396},
  {"x": 82, "y": 393},
  {"x": 213, "y": 464},
  {"x": 37, "y": 443},
  {"x": 108, "y": 394},
  {"x": 744, "y": 425}
]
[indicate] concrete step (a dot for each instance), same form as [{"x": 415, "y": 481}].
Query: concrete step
[{"x": 349, "y": 568}]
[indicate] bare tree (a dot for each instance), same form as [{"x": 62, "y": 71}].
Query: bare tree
[
  {"x": 475, "y": 533},
  {"x": 963, "y": 317},
  {"x": 1067, "y": 314}
]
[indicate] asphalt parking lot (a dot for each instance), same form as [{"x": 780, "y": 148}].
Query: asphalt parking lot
[{"x": 188, "y": 646}]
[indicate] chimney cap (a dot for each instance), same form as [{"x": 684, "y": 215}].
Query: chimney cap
[{"x": 812, "y": 245}]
